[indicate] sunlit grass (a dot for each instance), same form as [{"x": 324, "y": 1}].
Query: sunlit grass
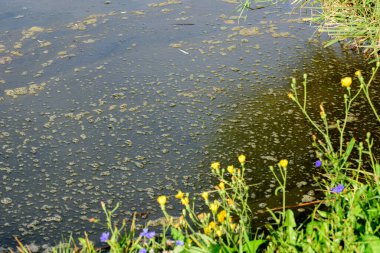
[{"x": 354, "y": 23}]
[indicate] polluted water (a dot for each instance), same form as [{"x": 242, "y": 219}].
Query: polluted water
[{"x": 122, "y": 101}]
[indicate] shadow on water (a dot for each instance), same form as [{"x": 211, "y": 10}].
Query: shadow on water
[
  {"x": 267, "y": 126},
  {"x": 123, "y": 102}
]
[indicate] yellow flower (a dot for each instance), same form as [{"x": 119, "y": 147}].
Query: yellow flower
[
  {"x": 221, "y": 186},
  {"x": 241, "y": 159},
  {"x": 185, "y": 201},
  {"x": 161, "y": 200},
  {"x": 222, "y": 216},
  {"x": 233, "y": 226},
  {"x": 207, "y": 230},
  {"x": 346, "y": 81},
  {"x": 283, "y": 163},
  {"x": 179, "y": 195},
  {"x": 291, "y": 96},
  {"x": 215, "y": 165},
  {"x": 358, "y": 73},
  {"x": 211, "y": 225},
  {"x": 230, "y": 202},
  {"x": 205, "y": 195},
  {"x": 219, "y": 233},
  {"x": 214, "y": 206},
  {"x": 231, "y": 169}
]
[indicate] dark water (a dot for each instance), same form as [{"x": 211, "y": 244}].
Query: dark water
[{"x": 127, "y": 101}]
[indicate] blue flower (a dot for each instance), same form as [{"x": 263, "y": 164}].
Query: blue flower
[
  {"x": 179, "y": 243},
  {"x": 147, "y": 234},
  {"x": 318, "y": 163},
  {"x": 105, "y": 236},
  {"x": 142, "y": 250},
  {"x": 337, "y": 189}
]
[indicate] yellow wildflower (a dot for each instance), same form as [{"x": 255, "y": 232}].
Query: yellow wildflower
[
  {"x": 207, "y": 230},
  {"x": 212, "y": 225},
  {"x": 291, "y": 96},
  {"x": 221, "y": 186},
  {"x": 230, "y": 202},
  {"x": 161, "y": 200},
  {"x": 283, "y": 163},
  {"x": 358, "y": 73},
  {"x": 231, "y": 169},
  {"x": 241, "y": 159},
  {"x": 179, "y": 195},
  {"x": 205, "y": 195},
  {"x": 185, "y": 201},
  {"x": 346, "y": 81},
  {"x": 214, "y": 206},
  {"x": 233, "y": 226},
  {"x": 222, "y": 216},
  {"x": 215, "y": 165},
  {"x": 219, "y": 233}
]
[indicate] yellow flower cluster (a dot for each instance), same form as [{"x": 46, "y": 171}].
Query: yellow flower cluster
[
  {"x": 215, "y": 165},
  {"x": 214, "y": 206},
  {"x": 205, "y": 196},
  {"x": 222, "y": 216}
]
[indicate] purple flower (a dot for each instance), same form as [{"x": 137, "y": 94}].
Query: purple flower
[
  {"x": 318, "y": 163},
  {"x": 142, "y": 250},
  {"x": 147, "y": 234},
  {"x": 338, "y": 189},
  {"x": 179, "y": 243},
  {"x": 104, "y": 237}
]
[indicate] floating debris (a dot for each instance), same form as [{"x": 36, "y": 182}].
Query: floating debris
[
  {"x": 168, "y": 2},
  {"x": 250, "y": 31}
]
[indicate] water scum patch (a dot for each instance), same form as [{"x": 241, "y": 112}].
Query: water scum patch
[{"x": 120, "y": 117}]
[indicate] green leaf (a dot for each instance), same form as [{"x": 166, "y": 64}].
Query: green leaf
[
  {"x": 372, "y": 243},
  {"x": 177, "y": 234},
  {"x": 330, "y": 42},
  {"x": 323, "y": 214},
  {"x": 252, "y": 246},
  {"x": 194, "y": 249},
  {"x": 289, "y": 219}
]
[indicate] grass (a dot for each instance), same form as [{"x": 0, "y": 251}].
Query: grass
[
  {"x": 354, "y": 23},
  {"x": 346, "y": 219}
]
